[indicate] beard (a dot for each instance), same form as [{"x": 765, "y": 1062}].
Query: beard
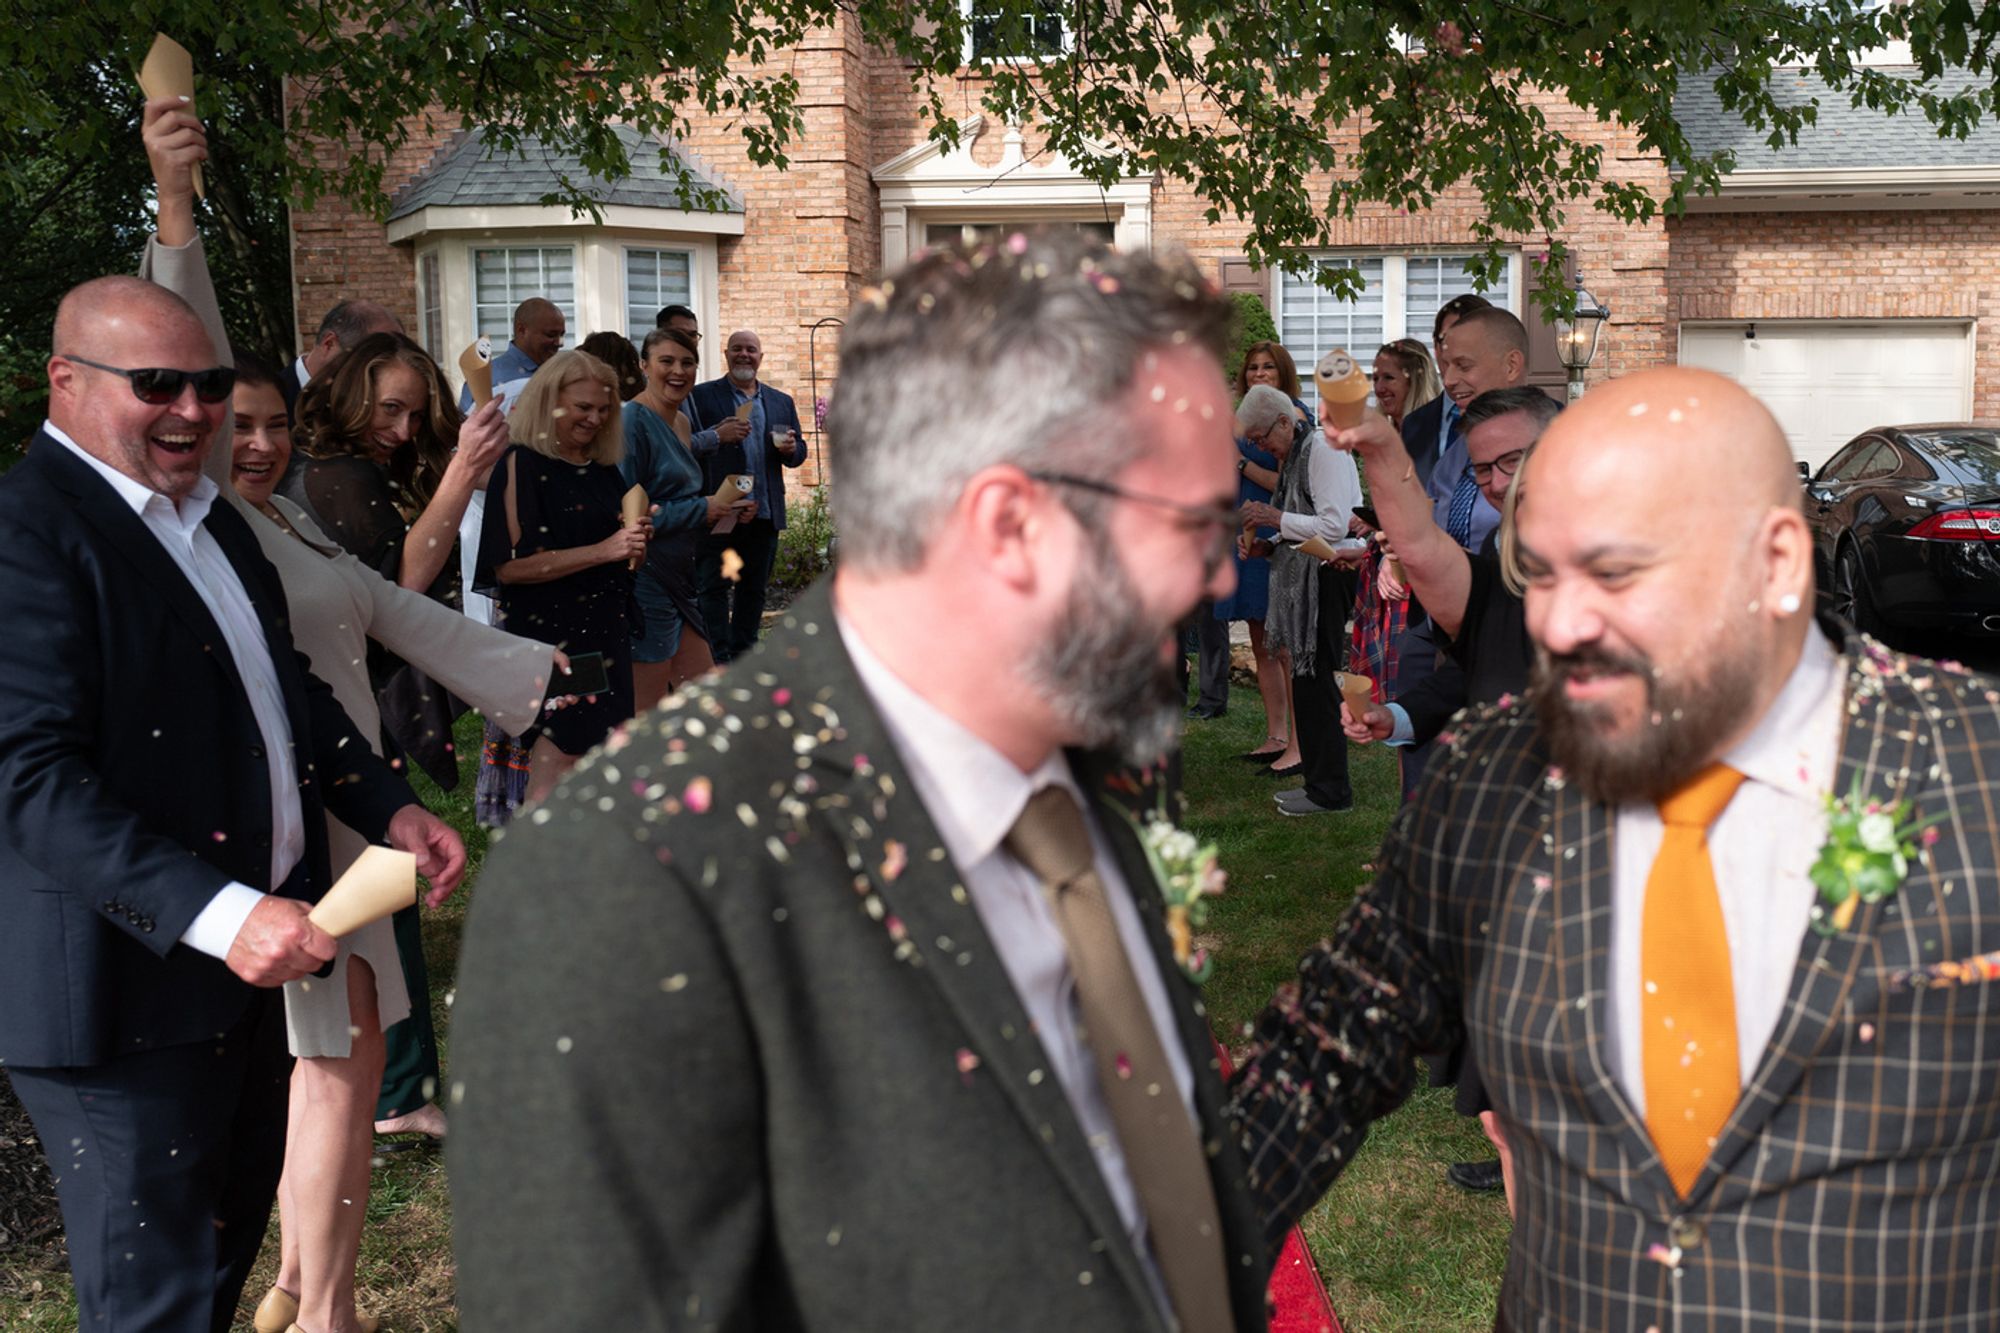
[
  {"x": 1682, "y": 727},
  {"x": 1100, "y": 670}
]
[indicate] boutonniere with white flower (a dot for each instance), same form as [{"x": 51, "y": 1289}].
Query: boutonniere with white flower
[
  {"x": 1188, "y": 876},
  {"x": 1867, "y": 854}
]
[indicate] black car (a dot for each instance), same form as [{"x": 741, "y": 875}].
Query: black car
[{"x": 1906, "y": 529}]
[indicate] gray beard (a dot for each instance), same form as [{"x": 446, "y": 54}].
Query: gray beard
[{"x": 1101, "y": 673}]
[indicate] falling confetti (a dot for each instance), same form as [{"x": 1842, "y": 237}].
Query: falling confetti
[{"x": 732, "y": 565}]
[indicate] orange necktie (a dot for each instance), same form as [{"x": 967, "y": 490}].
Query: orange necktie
[{"x": 1687, "y": 1001}]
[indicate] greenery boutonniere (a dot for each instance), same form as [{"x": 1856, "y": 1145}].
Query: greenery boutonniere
[
  {"x": 1188, "y": 877},
  {"x": 1867, "y": 854}
]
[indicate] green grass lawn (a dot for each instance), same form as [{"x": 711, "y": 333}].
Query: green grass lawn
[{"x": 1401, "y": 1251}]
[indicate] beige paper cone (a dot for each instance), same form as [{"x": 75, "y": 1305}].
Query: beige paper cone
[
  {"x": 1395, "y": 568},
  {"x": 1343, "y": 390},
  {"x": 1335, "y": 415},
  {"x": 169, "y": 72},
  {"x": 633, "y": 507},
  {"x": 381, "y": 882},
  {"x": 476, "y": 364},
  {"x": 1357, "y": 692},
  {"x": 743, "y": 410},
  {"x": 1317, "y": 548}
]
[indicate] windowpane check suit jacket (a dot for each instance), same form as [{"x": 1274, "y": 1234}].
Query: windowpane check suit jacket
[{"x": 1856, "y": 1186}]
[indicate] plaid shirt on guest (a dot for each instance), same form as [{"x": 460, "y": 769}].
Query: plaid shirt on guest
[{"x": 1857, "y": 1185}]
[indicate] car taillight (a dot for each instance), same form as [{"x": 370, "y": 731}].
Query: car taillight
[{"x": 1961, "y": 525}]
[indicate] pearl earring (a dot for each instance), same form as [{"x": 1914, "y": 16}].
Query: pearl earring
[{"x": 1789, "y": 604}]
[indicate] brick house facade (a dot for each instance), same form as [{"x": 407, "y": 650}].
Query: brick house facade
[{"x": 1851, "y": 280}]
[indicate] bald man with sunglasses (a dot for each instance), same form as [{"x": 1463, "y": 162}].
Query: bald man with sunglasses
[{"x": 167, "y": 758}]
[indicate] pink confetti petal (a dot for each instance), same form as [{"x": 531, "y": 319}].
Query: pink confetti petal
[
  {"x": 1123, "y": 1065},
  {"x": 895, "y": 857},
  {"x": 698, "y": 795}
]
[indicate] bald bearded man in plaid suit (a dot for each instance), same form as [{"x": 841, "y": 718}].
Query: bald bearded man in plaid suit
[{"x": 1729, "y": 1103}]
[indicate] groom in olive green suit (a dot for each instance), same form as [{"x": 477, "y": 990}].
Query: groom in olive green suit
[{"x": 836, "y": 994}]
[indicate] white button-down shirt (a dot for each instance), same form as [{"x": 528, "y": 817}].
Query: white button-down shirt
[
  {"x": 1336, "y": 490},
  {"x": 974, "y": 794},
  {"x": 1761, "y": 847},
  {"x": 178, "y": 528}
]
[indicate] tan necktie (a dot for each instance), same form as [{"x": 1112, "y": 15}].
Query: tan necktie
[
  {"x": 1162, "y": 1150},
  {"x": 1687, "y": 1001}
]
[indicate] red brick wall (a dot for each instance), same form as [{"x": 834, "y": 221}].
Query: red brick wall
[
  {"x": 339, "y": 252},
  {"x": 1940, "y": 264},
  {"x": 812, "y": 234}
]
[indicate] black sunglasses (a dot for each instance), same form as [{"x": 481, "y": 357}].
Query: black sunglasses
[{"x": 160, "y": 387}]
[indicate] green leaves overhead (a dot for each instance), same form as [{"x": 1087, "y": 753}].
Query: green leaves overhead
[{"x": 1287, "y": 115}]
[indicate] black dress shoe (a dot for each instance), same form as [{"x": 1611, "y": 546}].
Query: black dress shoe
[
  {"x": 1259, "y": 756},
  {"x": 1208, "y": 714},
  {"x": 1476, "y": 1177}
]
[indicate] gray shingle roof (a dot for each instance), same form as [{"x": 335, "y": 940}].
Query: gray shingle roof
[
  {"x": 1845, "y": 137},
  {"x": 465, "y": 174}
]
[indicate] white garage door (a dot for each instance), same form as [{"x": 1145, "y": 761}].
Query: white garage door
[{"x": 1826, "y": 382}]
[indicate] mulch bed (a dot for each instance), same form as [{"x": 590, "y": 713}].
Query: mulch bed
[{"x": 30, "y": 1221}]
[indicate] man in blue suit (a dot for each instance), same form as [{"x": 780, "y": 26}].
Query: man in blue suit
[
  {"x": 759, "y": 444},
  {"x": 169, "y": 762}
]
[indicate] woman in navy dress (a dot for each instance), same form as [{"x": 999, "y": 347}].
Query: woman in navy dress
[{"x": 555, "y": 551}]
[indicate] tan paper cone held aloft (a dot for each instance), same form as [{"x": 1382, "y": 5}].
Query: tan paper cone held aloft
[
  {"x": 476, "y": 364},
  {"x": 1343, "y": 390},
  {"x": 1357, "y": 692},
  {"x": 169, "y": 72},
  {"x": 633, "y": 508},
  {"x": 381, "y": 882}
]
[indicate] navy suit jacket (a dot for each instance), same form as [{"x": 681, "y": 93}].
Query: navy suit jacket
[
  {"x": 715, "y": 399},
  {"x": 1420, "y": 437},
  {"x": 133, "y": 782}
]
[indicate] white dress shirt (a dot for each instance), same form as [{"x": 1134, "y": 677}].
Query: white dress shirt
[
  {"x": 1336, "y": 490},
  {"x": 300, "y": 373},
  {"x": 1761, "y": 847},
  {"x": 178, "y": 528},
  {"x": 974, "y": 794}
]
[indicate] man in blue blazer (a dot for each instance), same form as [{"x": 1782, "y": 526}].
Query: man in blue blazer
[
  {"x": 168, "y": 761},
  {"x": 760, "y": 446}
]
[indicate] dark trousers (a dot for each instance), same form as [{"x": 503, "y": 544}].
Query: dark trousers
[
  {"x": 734, "y": 612},
  {"x": 166, "y": 1163},
  {"x": 410, "y": 1074},
  {"x": 1417, "y": 652},
  {"x": 1212, "y": 658},
  {"x": 1316, "y": 699}
]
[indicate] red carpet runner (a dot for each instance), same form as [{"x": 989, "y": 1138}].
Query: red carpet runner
[{"x": 1298, "y": 1299}]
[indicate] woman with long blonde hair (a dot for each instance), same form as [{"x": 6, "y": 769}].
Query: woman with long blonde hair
[{"x": 556, "y": 552}]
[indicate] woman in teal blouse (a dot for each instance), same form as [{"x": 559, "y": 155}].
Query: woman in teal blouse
[{"x": 671, "y": 647}]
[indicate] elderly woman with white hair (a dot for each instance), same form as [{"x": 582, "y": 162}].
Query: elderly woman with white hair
[{"x": 1318, "y": 488}]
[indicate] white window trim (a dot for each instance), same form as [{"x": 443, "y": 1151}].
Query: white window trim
[
  {"x": 1395, "y": 277},
  {"x": 598, "y": 271},
  {"x": 694, "y": 301},
  {"x": 928, "y": 184},
  {"x": 430, "y": 255},
  {"x": 966, "y": 57},
  {"x": 570, "y": 336}
]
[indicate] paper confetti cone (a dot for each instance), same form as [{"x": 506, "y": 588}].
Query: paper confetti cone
[
  {"x": 169, "y": 72},
  {"x": 381, "y": 882}
]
